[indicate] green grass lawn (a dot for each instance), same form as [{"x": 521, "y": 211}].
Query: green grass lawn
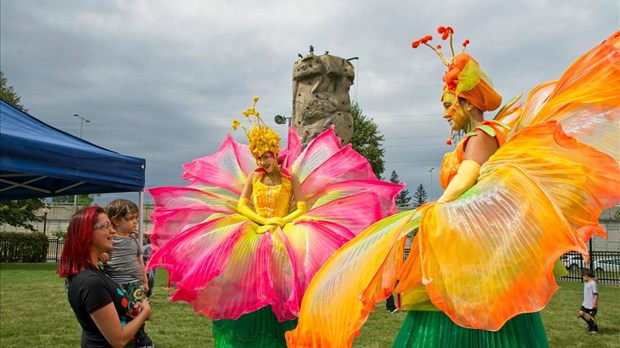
[{"x": 34, "y": 312}]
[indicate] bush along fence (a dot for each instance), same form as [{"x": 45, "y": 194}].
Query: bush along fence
[{"x": 23, "y": 247}]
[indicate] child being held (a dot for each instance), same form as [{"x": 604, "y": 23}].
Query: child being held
[{"x": 125, "y": 265}]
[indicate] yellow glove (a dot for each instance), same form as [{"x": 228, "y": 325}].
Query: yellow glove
[
  {"x": 464, "y": 179},
  {"x": 265, "y": 228},
  {"x": 270, "y": 224},
  {"x": 273, "y": 221},
  {"x": 245, "y": 210},
  {"x": 302, "y": 207}
]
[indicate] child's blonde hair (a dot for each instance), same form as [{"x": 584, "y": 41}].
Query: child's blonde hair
[{"x": 119, "y": 208}]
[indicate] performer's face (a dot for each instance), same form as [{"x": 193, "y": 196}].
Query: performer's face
[
  {"x": 267, "y": 161},
  {"x": 454, "y": 112}
]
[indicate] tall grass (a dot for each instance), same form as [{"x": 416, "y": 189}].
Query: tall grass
[{"x": 34, "y": 312}]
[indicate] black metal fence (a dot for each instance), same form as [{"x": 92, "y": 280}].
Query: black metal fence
[
  {"x": 605, "y": 264},
  {"x": 55, "y": 249}
]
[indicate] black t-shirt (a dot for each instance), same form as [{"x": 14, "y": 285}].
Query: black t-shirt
[{"x": 89, "y": 291}]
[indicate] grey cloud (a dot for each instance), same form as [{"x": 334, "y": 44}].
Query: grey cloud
[{"x": 162, "y": 80}]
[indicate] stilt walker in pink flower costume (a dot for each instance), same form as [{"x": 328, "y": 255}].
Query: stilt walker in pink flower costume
[
  {"x": 247, "y": 265},
  {"x": 520, "y": 191}
]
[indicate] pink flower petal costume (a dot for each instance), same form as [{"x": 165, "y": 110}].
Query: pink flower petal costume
[{"x": 226, "y": 265}]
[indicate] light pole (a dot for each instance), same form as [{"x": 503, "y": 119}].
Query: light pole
[
  {"x": 82, "y": 120},
  {"x": 431, "y": 171},
  {"x": 283, "y": 119},
  {"x": 46, "y": 210}
]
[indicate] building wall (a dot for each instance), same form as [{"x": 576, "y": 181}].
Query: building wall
[
  {"x": 612, "y": 227},
  {"x": 58, "y": 219}
]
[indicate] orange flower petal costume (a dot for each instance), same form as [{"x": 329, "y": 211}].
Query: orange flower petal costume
[{"x": 488, "y": 256}]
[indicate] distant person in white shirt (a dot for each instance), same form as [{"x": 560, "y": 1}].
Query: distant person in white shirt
[{"x": 590, "y": 300}]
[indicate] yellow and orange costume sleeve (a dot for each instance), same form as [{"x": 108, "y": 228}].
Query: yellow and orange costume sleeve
[{"x": 464, "y": 179}]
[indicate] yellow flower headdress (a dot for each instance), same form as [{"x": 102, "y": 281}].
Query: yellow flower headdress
[{"x": 261, "y": 138}]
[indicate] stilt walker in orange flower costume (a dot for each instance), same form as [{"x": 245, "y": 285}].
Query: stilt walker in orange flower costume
[
  {"x": 241, "y": 243},
  {"x": 520, "y": 191}
]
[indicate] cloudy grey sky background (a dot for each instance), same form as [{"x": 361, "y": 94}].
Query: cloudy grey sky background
[{"x": 162, "y": 80}]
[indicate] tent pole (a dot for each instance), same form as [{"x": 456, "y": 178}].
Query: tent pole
[{"x": 141, "y": 217}]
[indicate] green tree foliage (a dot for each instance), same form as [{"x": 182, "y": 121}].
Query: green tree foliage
[
  {"x": 9, "y": 95},
  {"x": 419, "y": 196},
  {"x": 403, "y": 197},
  {"x": 82, "y": 200},
  {"x": 20, "y": 213},
  {"x": 367, "y": 140},
  {"x": 17, "y": 213}
]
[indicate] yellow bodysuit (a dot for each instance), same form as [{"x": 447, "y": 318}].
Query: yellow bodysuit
[{"x": 272, "y": 201}]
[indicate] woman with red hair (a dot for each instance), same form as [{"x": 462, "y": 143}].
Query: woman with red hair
[{"x": 100, "y": 306}]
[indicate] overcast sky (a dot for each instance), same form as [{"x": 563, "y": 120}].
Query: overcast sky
[{"x": 162, "y": 80}]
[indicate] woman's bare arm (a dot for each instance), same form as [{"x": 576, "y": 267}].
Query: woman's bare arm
[{"x": 106, "y": 319}]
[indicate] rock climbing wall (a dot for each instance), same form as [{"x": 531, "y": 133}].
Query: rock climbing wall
[{"x": 321, "y": 96}]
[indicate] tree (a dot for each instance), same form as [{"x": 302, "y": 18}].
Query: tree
[
  {"x": 419, "y": 196},
  {"x": 17, "y": 213},
  {"x": 20, "y": 213},
  {"x": 403, "y": 198},
  {"x": 367, "y": 140},
  {"x": 9, "y": 95},
  {"x": 82, "y": 200}
]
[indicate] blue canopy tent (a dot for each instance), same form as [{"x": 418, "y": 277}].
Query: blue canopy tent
[{"x": 38, "y": 160}]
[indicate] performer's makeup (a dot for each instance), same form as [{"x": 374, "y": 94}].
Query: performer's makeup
[
  {"x": 453, "y": 112},
  {"x": 267, "y": 162}
]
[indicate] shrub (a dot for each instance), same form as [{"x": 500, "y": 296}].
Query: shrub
[
  {"x": 60, "y": 234},
  {"x": 23, "y": 247}
]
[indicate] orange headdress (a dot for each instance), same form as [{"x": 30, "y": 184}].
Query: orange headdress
[{"x": 464, "y": 77}]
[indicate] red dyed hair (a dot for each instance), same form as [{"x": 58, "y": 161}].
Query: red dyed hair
[{"x": 75, "y": 255}]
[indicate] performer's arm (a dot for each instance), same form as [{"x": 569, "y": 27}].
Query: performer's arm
[
  {"x": 477, "y": 151},
  {"x": 464, "y": 179},
  {"x": 244, "y": 199}
]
